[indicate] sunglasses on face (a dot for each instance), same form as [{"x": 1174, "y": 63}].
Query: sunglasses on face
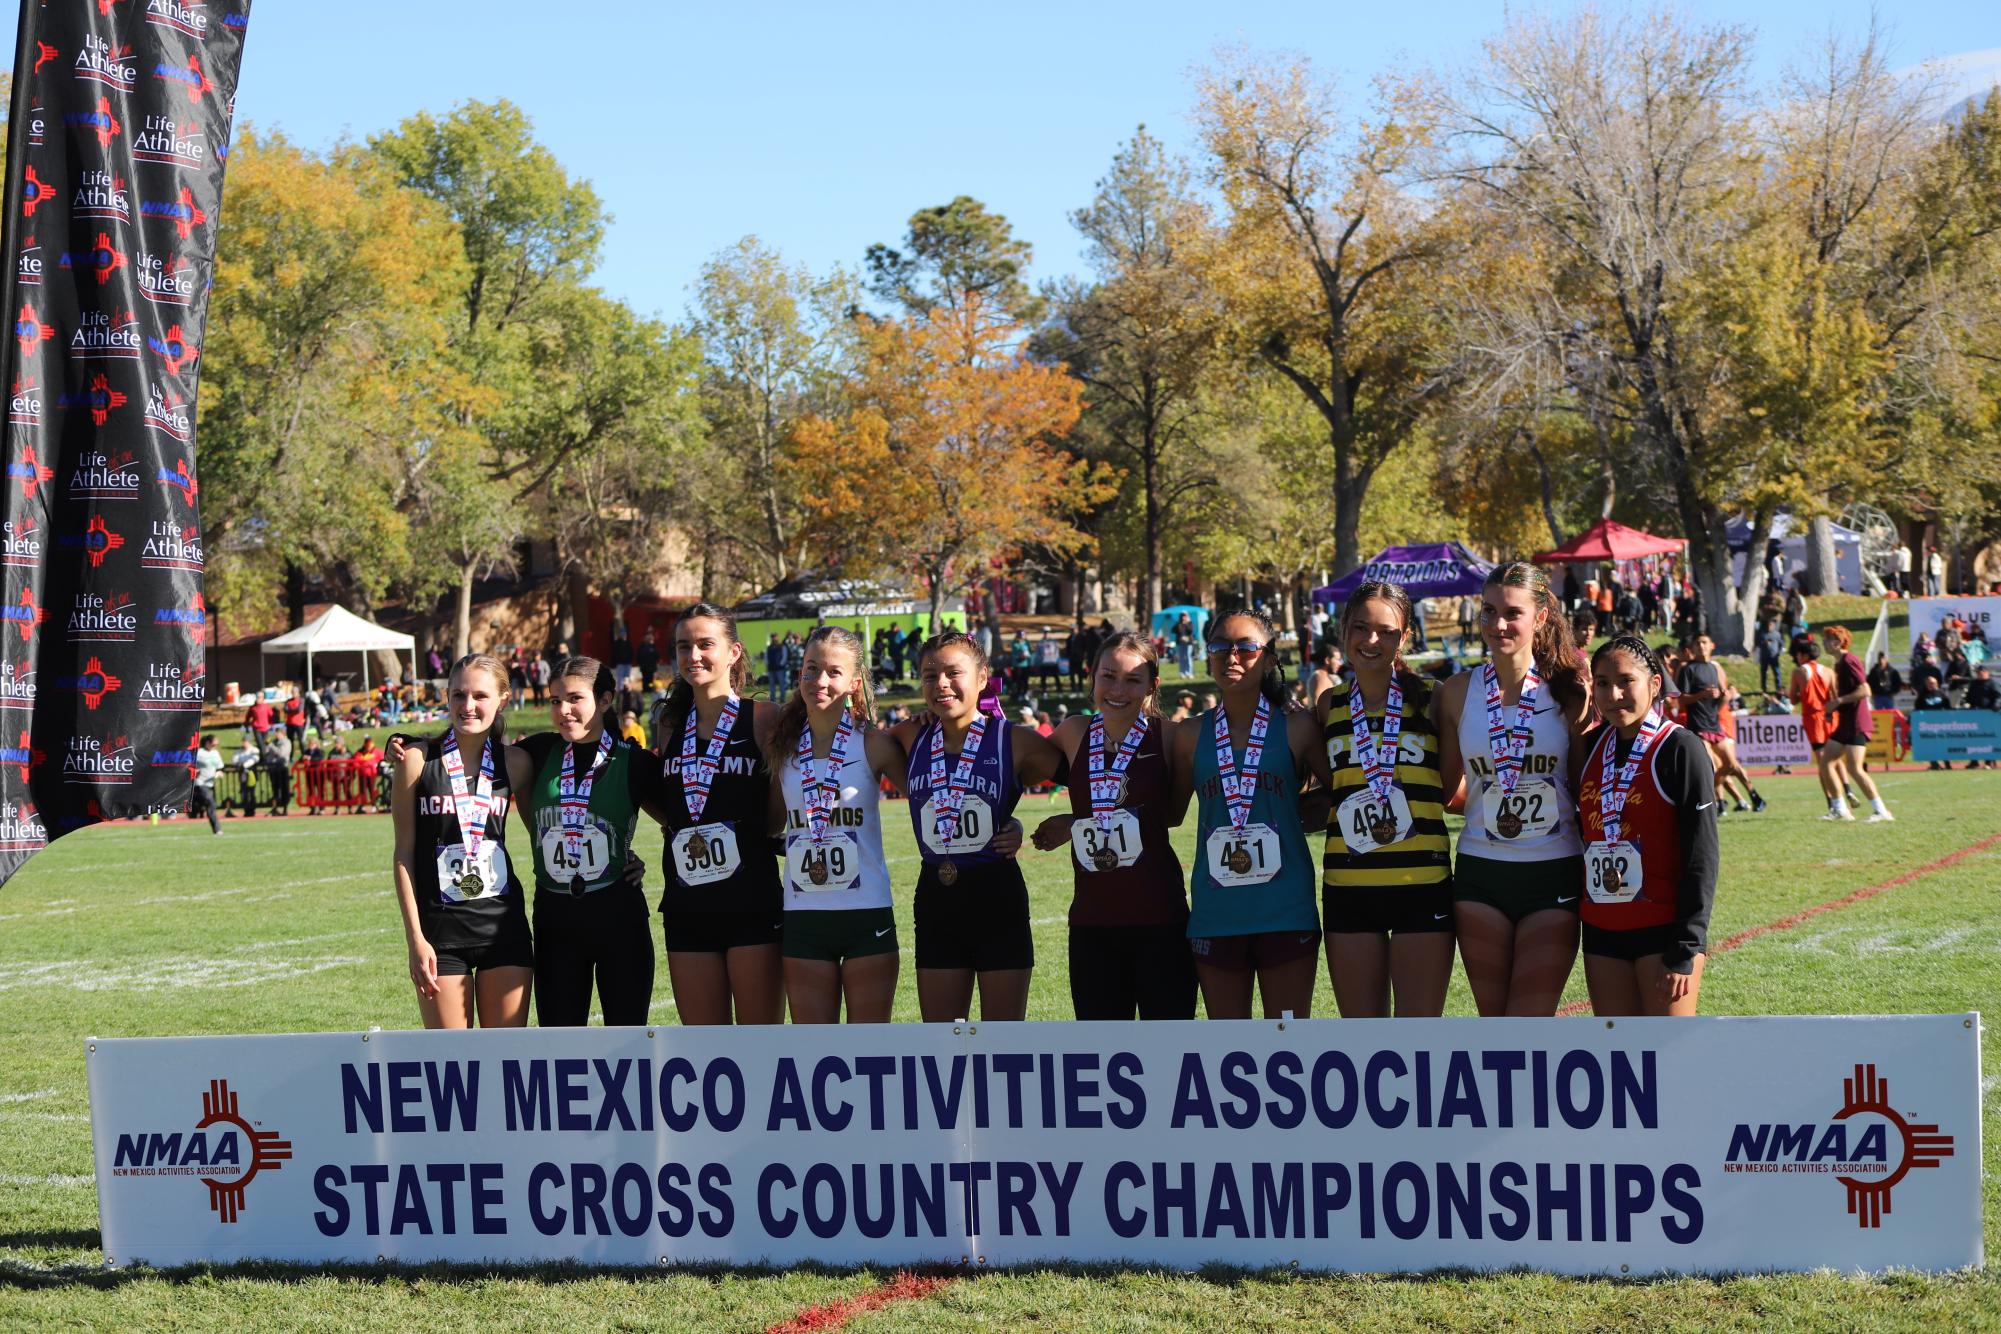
[{"x": 1248, "y": 648}]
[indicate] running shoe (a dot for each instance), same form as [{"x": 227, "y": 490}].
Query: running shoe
[
  {"x": 1842, "y": 813},
  {"x": 1880, "y": 817},
  {"x": 1758, "y": 804}
]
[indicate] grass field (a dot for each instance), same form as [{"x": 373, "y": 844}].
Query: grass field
[{"x": 288, "y": 925}]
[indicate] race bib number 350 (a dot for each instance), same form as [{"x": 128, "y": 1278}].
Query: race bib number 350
[
  {"x": 705, "y": 854},
  {"x": 1247, "y": 856}
]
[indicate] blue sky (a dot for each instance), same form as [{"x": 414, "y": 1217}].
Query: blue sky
[{"x": 821, "y": 127}]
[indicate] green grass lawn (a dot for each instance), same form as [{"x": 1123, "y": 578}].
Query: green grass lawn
[{"x": 288, "y": 925}]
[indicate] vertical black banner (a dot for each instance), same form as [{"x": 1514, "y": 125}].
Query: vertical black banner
[{"x": 117, "y": 140}]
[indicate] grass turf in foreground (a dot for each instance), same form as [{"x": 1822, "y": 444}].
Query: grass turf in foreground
[{"x": 286, "y": 926}]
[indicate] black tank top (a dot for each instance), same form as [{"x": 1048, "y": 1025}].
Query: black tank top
[
  {"x": 740, "y": 797},
  {"x": 450, "y": 922}
]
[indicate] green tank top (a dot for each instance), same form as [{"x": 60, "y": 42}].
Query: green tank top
[
  {"x": 1286, "y": 901},
  {"x": 599, "y": 859}
]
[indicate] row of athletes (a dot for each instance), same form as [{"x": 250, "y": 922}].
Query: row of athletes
[{"x": 777, "y": 892}]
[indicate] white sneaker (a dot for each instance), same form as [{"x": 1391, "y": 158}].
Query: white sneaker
[
  {"x": 1881, "y": 817},
  {"x": 1839, "y": 813}
]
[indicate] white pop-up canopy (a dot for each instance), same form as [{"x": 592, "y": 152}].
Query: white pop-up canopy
[{"x": 338, "y": 630}]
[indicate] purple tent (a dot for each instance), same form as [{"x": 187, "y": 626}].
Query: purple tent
[{"x": 1436, "y": 570}]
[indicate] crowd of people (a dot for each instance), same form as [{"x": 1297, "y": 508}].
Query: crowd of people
[{"x": 1590, "y": 824}]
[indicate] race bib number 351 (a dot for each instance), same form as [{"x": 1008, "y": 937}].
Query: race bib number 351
[{"x": 452, "y": 868}]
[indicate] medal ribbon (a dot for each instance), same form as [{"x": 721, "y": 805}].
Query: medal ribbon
[
  {"x": 950, "y": 797},
  {"x": 1105, "y": 786},
  {"x": 573, "y": 794},
  {"x": 1239, "y": 790},
  {"x": 823, "y": 794},
  {"x": 1378, "y": 760},
  {"x": 471, "y": 806},
  {"x": 697, "y": 776},
  {"x": 1508, "y": 744},
  {"x": 1613, "y": 788}
]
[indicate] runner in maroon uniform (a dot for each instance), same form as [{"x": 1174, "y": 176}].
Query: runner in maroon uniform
[{"x": 1647, "y": 811}]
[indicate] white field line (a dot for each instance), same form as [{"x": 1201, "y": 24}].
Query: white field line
[
  {"x": 203, "y": 897},
  {"x": 1867, "y": 942},
  {"x": 6, "y": 1115},
  {"x": 36, "y": 1096},
  {"x": 252, "y": 965}
]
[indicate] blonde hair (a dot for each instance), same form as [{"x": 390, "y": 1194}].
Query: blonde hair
[
  {"x": 493, "y": 667},
  {"x": 792, "y": 717}
]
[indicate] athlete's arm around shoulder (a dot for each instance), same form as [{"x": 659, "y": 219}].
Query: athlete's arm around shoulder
[
  {"x": 1451, "y": 760},
  {"x": 403, "y": 815},
  {"x": 1037, "y": 759},
  {"x": 1181, "y": 741},
  {"x": 887, "y": 757},
  {"x": 520, "y": 778},
  {"x": 1309, "y": 756}
]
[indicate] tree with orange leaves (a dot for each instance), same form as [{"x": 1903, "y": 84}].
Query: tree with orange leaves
[{"x": 948, "y": 457}]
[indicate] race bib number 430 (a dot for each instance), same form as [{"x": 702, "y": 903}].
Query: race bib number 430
[{"x": 976, "y": 826}]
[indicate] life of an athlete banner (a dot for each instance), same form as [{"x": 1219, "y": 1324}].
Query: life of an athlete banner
[
  {"x": 117, "y": 137},
  {"x": 1587, "y": 1147}
]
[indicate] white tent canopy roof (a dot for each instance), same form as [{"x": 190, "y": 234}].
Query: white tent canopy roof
[{"x": 338, "y": 630}]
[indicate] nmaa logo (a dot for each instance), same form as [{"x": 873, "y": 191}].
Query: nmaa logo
[
  {"x": 29, "y": 472},
  {"x": 180, "y": 210},
  {"x": 195, "y": 613},
  {"x": 95, "y": 473},
  {"x": 180, "y": 481},
  {"x": 1867, "y": 1146},
  {"x": 99, "y": 121},
  {"x": 190, "y": 77},
  {"x": 103, "y": 259},
  {"x": 29, "y": 331},
  {"x": 24, "y": 755},
  {"x": 33, "y": 192},
  {"x": 24, "y": 615},
  {"x": 93, "y": 683},
  {"x": 224, "y": 1151},
  {"x": 21, "y": 827},
  {"x": 97, "y": 540},
  {"x": 183, "y": 758},
  {"x": 174, "y": 349},
  {"x": 92, "y": 759}
]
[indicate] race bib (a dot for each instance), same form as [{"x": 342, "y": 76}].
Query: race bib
[
  {"x": 705, "y": 854},
  {"x": 1530, "y": 811},
  {"x": 1612, "y": 872},
  {"x": 1105, "y": 849},
  {"x": 491, "y": 867},
  {"x": 835, "y": 864},
  {"x": 976, "y": 827},
  {"x": 590, "y": 858},
  {"x": 1247, "y": 856},
  {"x": 1365, "y": 820}
]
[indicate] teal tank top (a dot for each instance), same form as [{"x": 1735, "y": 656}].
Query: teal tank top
[{"x": 1286, "y": 902}]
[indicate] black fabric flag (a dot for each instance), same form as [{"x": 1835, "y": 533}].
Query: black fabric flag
[{"x": 117, "y": 139}]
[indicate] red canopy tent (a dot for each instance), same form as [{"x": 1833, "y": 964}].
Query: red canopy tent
[{"x": 1610, "y": 540}]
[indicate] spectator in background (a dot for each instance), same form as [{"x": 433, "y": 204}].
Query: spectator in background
[
  {"x": 1934, "y": 571},
  {"x": 1884, "y": 683},
  {"x": 899, "y": 649},
  {"x": 777, "y": 684},
  {"x": 1900, "y": 569},
  {"x": 295, "y": 718},
  {"x": 247, "y": 763},
  {"x": 631, "y": 729},
  {"x": 1794, "y": 622},
  {"x": 1019, "y": 657},
  {"x": 1329, "y": 671},
  {"x": 1183, "y": 635},
  {"x": 647, "y": 655},
  {"x": 1077, "y": 648},
  {"x": 1953, "y": 662},
  {"x": 278, "y": 765},
  {"x": 1571, "y": 592},
  {"x": 1469, "y": 613},
  {"x": 1184, "y": 708},
  {"x": 1770, "y": 645},
  {"x": 208, "y": 763},
  {"x": 260, "y": 718},
  {"x": 621, "y": 648},
  {"x": 1048, "y": 663},
  {"x": 1583, "y": 629}
]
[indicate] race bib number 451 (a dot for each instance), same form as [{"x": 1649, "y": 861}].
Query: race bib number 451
[
  {"x": 1247, "y": 856},
  {"x": 589, "y": 855}
]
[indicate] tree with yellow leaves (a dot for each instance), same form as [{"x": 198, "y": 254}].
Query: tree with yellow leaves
[{"x": 948, "y": 456}]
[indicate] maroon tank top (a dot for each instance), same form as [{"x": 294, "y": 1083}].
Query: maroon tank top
[{"x": 1150, "y": 892}]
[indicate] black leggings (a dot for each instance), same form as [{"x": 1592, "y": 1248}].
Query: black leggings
[
  {"x": 604, "y": 938},
  {"x": 1116, "y": 970}
]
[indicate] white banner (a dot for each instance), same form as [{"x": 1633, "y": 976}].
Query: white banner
[
  {"x": 1772, "y": 738},
  {"x": 1927, "y": 613},
  {"x": 1588, "y": 1147}
]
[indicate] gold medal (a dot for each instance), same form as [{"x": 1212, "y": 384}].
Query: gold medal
[
  {"x": 816, "y": 869},
  {"x": 1105, "y": 859},
  {"x": 577, "y": 885},
  {"x": 1240, "y": 860},
  {"x": 1614, "y": 882},
  {"x": 1508, "y": 825},
  {"x": 1383, "y": 829},
  {"x": 948, "y": 873},
  {"x": 471, "y": 886}
]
